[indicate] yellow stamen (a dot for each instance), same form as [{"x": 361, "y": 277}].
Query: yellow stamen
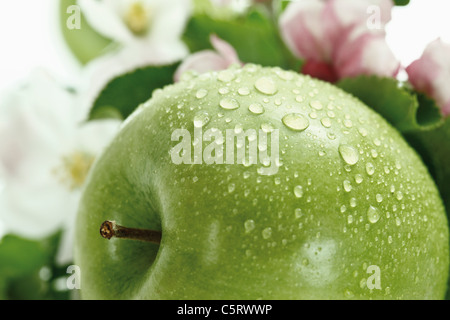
[
  {"x": 137, "y": 18},
  {"x": 74, "y": 169}
]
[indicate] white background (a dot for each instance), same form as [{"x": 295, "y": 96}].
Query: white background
[{"x": 29, "y": 37}]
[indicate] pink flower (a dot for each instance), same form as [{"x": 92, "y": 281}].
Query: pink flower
[
  {"x": 340, "y": 38},
  {"x": 431, "y": 74},
  {"x": 209, "y": 60}
]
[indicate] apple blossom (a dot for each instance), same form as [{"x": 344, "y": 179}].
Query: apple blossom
[
  {"x": 431, "y": 74},
  {"x": 45, "y": 155},
  {"x": 339, "y": 38},
  {"x": 150, "y": 22},
  {"x": 209, "y": 60}
]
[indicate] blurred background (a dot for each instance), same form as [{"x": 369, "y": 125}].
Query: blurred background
[{"x": 30, "y": 36}]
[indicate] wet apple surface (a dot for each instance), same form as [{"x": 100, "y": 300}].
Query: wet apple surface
[{"x": 265, "y": 184}]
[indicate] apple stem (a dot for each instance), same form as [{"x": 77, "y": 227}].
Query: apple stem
[{"x": 110, "y": 229}]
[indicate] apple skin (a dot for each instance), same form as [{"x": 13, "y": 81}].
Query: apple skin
[{"x": 230, "y": 233}]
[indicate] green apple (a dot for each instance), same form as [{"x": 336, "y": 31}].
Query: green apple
[{"x": 334, "y": 205}]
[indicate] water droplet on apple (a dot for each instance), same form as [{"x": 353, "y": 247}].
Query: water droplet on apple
[
  {"x": 244, "y": 91},
  {"x": 226, "y": 76},
  {"x": 377, "y": 142},
  {"x": 266, "y": 85},
  {"x": 256, "y": 108},
  {"x": 296, "y": 122},
  {"x": 285, "y": 75},
  {"x": 249, "y": 226},
  {"x": 201, "y": 93},
  {"x": 298, "y": 213},
  {"x": 298, "y": 191},
  {"x": 349, "y": 154},
  {"x": 224, "y": 90},
  {"x": 370, "y": 169},
  {"x": 299, "y": 98},
  {"x": 229, "y": 103},
  {"x": 362, "y": 132},
  {"x": 359, "y": 178},
  {"x": 348, "y": 123},
  {"x": 347, "y": 186},
  {"x": 267, "y": 127},
  {"x": 379, "y": 198},
  {"x": 331, "y": 136},
  {"x": 348, "y": 293},
  {"x": 201, "y": 119},
  {"x": 267, "y": 233},
  {"x": 373, "y": 214},
  {"x": 326, "y": 122},
  {"x": 316, "y": 105}
]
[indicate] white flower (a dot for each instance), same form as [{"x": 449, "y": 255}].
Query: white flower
[
  {"x": 150, "y": 22},
  {"x": 148, "y": 33},
  {"x": 46, "y": 151}
]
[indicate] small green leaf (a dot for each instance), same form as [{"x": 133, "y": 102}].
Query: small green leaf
[
  {"x": 401, "y": 2},
  {"x": 434, "y": 147},
  {"x": 404, "y": 109},
  {"x": 124, "y": 94},
  {"x": 254, "y": 36}
]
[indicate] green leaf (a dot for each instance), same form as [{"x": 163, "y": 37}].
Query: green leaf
[
  {"x": 84, "y": 43},
  {"x": 254, "y": 36},
  {"x": 21, "y": 261},
  {"x": 434, "y": 147},
  {"x": 20, "y": 256},
  {"x": 124, "y": 94},
  {"x": 401, "y": 2},
  {"x": 405, "y": 110}
]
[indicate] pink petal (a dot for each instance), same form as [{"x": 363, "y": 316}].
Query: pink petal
[
  {"x": 348, "y": 13},
  {"x": 302, "y": 29},
  {"x": 431, "y": 73},
  {"x": 365, "y": 52},
  {"x": 446, "y": 109},
  {"x": 342, "y": 16},
  {"x": 202, "y": 61},
  {"x": 224, "y": 49},
  {"x": 209, "y": 60}
]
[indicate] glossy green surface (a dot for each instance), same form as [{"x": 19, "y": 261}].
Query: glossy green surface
[{"x": 351, "y": 207}]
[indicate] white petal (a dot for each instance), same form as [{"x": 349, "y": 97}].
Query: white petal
[
  {"x": 104, "y": 16},
  {"x": 168, "y": 21},
  {"x": 94, "y": 136}
]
